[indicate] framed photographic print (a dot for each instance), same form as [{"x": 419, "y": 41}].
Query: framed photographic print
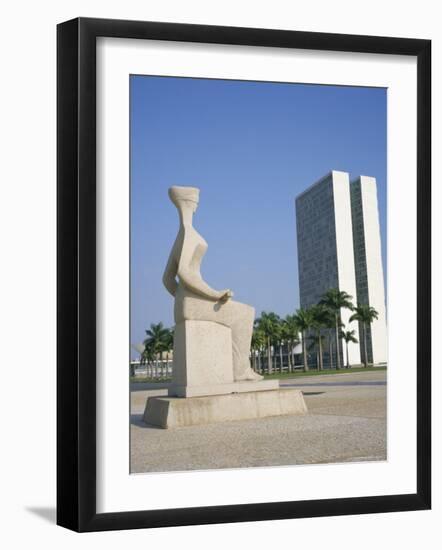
[{"x": 243, "y": 274}]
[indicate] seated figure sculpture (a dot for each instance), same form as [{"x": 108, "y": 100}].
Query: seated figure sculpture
[{"x": 195, "y": 300}]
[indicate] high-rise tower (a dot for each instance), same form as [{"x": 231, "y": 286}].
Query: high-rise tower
[
  {"x": 368, "y": 263},
  {"x": 325, "y": 246},
  {"x": 339, "y": 247}
]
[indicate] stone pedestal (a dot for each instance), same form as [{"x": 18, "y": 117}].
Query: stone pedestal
[
  {"x": 175, "y": 412},
  {"x": 202, "y": 354},
  {"x": 203, "y": 388},
  {"x": 203, "y": 362}
]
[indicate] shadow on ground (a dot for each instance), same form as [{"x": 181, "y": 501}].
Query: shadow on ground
[
  {"x": 137, "y": 420},
  {"x": 46, "y": 513}
]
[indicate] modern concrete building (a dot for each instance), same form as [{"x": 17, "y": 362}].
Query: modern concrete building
[
  {"x": 328, "y": 216},
  {"x": 368, "y": 262}
]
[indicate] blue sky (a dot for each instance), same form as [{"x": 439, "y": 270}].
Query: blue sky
[{"x": 250, "y": 147}]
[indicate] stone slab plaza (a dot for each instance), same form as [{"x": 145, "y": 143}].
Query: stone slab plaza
[{"x": 345, "y": 422}]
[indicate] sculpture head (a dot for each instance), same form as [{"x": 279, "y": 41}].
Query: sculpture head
[{"x": 184, "y": 197}]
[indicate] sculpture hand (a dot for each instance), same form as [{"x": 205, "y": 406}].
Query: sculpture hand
[{"x": 225, "y": 295}]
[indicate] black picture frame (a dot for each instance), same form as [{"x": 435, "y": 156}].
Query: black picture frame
[{"x": 76, "y": 273}]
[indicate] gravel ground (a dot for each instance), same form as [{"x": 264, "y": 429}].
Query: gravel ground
[{"x": 346, "y": 422}]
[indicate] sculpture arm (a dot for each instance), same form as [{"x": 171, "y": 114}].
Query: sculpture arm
[
  {"x": 169, "y": 276},
  {"x": 196, "y": 284},
  {"x": 192, "y": 279}
]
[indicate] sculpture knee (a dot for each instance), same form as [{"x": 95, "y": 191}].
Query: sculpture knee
[
  {"x": 245, "y": 311},
  {"x": 244, "y": 317}
]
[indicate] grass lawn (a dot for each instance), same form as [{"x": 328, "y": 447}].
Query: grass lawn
[
  {"x": 146, "y": 379},
  {"x": 322, "y": 372},
  {"x": 280, "y": 375}
]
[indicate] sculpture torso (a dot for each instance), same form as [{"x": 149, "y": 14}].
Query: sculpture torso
[
  {"x": 193, "y": 240},
  {"x": 190, "y": 249}
]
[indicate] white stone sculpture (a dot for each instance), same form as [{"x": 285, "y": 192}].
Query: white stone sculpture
[
  {"x": 195, "y": 300},
  {"x": 211, "y": 366}
]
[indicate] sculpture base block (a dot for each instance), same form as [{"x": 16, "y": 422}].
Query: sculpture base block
[
  {"x": 200, "y": 390},
  {"x": 177, "y": 412}
]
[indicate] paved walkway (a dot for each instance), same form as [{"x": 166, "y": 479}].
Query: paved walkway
[{"x": 346, "y": 422}]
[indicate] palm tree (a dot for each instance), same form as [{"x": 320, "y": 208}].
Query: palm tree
[
  {"x": 348, "y": 336},
  {"x": 261, "y": 347},
  {"x": 284, "y": 341},
  {"x": 304, "y": 319},
  {"x": 279, "y": 341},
  {"x": 258, "y": 342},
  {"x": 365, "y": 314},
  {"x": 330, "y": 329},
  {"x": 290, "y": 331},
  {"x": 168, "y": 347},
  {"x": 268, "y": 323},
  {"x": 321, "y": 319},
  {"x": 157, "y": 341},
  {"x": 335, "y": 300},
  {"x": 317, "y": 341},
  {"x": 146, "y": 358},
  {"x": 280, "y": 346},
  {"x": 330, "y": 335}
]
